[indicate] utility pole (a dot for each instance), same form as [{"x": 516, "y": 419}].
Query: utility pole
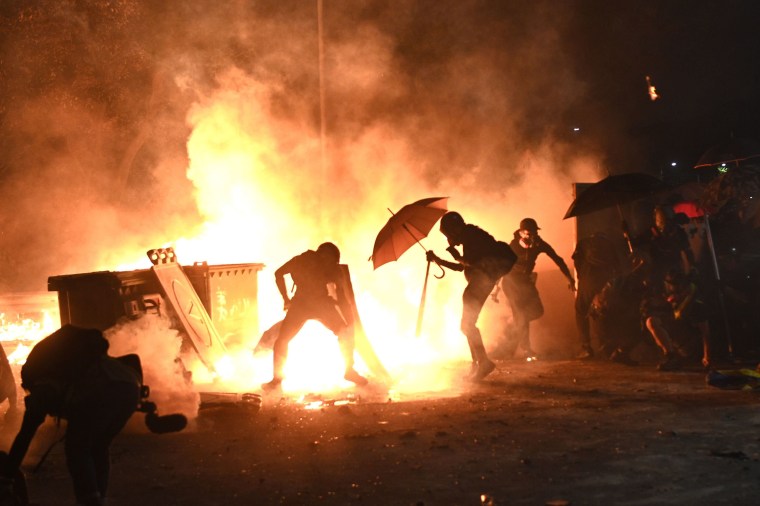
[{"x": 322, "y": 126}]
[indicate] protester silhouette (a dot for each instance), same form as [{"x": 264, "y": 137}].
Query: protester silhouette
[
  {"x": 616, "y": 312},
  {"x": 677, "y": 320},
  {"x": 520, "y": 286},
  {"x": 667, "y": 244},
  {"x": 483, "y": 260},
  {"x": 7, "y": 385},
  {"x": 319, "y": 296},
  {"x": 596, "y": 262},
  {"x": 69, "y": 375}
]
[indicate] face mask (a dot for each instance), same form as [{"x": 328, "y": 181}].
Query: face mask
[{"x": 526, "y": 238}]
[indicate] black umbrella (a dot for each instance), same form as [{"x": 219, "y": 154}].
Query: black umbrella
[
  {"x": 614, "y": 191},
  {"x": 731, "y": 152}
]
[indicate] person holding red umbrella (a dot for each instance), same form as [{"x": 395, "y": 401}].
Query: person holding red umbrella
[{"x": 484, "y": 260}]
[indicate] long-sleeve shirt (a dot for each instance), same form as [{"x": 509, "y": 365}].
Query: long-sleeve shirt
[{"x": 526, "y": 257}]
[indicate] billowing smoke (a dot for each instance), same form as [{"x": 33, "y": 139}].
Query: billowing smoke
[{"x": 131, "y": 125}]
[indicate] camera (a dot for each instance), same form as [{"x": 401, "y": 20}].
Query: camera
[{"x": 156, "y": 423}]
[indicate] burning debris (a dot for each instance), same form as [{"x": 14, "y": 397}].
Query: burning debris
[{"x": 651, "y": 90}]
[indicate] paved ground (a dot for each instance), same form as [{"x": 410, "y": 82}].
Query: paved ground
[{"x": 550, "y": 432}]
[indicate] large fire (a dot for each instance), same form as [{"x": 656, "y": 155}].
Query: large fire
[
  {"x": 265, "y": 196},
  {"x": 264, "y": 204}
]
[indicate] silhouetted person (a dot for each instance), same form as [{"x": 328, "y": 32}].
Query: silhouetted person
[
  {"x": 596, "y": 263},
  {"x": 520, "y": 285},
  {"x": 484, "y": 260},
  {"x": 7, "y": 385},
  {"x": 319, "y": 296},
  {"x": 677, "y": 321},
  {"x": 668, "y": 246},
  {"x": 616, "y": 312},
  {"x": 69, "y": 375}
]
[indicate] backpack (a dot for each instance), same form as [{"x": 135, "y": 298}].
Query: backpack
[
  {"x": 310, "y": 274},
  {"x": 64, "y": 356},
  {"x": 505, "y": 259}
]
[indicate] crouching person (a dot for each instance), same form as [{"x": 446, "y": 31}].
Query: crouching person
[
  {"x": 677, "y": 321},
  {"x": 69, "y": 375}
]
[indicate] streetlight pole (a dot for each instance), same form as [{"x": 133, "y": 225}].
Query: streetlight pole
[{"x": 322, "y": 126}]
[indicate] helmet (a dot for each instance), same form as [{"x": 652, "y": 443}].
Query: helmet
[
  {"x": 329, "y": 250},
  {"x": 450, "y": 221},
  {"x": 529, "y": 224}
]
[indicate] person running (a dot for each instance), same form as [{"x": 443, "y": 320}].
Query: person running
[
  {"x": 483, "y": 260},
  {"x": 520, "y": 285}
]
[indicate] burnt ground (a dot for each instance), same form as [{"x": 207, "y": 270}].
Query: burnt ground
[{"x": 549, "y": 432}]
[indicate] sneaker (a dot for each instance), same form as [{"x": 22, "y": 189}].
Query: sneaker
[
  {"x": 275, "y": 384},
  {"x": 485, "y": 368},
  {"x": 354, "y": 377}
]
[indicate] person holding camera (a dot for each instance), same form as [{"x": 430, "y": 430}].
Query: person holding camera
[{"x": 69, "y": 375}]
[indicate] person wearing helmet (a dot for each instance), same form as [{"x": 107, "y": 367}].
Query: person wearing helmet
[
  {"x": 520, "y": 285},
  {"x": 317, "y": 277},
  {"x": 483, "y": 260}
]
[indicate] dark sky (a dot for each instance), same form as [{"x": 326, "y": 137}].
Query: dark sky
[
  {"x": 96, "y": 100},
  {"x": 702, "y": 57}
]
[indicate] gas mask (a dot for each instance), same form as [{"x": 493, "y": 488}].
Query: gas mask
[{"x": 526, "y": 238}]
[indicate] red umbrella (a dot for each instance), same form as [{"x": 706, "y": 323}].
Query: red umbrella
[
  {"x": 686, "y": 199},
  {"x": 405, "y": 228}
]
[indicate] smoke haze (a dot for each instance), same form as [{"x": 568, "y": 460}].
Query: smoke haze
[{"x": 100, "y": 100}]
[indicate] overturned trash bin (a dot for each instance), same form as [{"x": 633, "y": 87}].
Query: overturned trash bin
[{"x": 201, "y": 299}]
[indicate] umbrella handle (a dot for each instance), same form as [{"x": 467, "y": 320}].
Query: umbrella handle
[
  {"x": 443, "y": 272},
  {"x": 422, "y": 302}
]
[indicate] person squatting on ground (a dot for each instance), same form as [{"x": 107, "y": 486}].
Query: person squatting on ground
[
  {"x": 596, "y": 263},
  {"x": 520, "y": 285},
  {"x": 319, "y": 295},
  {"x": 677, "y": 321},
  {"x": 69, "y": 375},
  {"x": 615, "y": 316},
  {"x": 484, "y": 260}
]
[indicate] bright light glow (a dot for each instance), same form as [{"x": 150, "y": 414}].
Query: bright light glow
[{"x": 256, "y": 186}]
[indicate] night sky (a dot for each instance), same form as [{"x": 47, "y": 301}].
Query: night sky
[
  {"x": 702, "y": 57},
  {"x": 96, "y": 96}
]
